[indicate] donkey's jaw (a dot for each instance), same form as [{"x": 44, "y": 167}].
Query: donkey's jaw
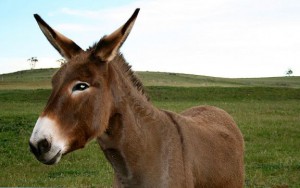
[{"x": 46, "y": 143}]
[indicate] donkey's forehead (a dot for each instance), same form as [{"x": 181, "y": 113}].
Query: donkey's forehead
[
  {"x": 83, "y": 57},
  {"x": 81, "y": 66}
]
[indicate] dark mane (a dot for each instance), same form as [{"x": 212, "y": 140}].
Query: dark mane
[{"x": 127, "y": 71}]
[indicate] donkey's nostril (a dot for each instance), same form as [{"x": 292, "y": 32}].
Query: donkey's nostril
[
  {"x": 43, "y": 146},
  {"x": 33, "y": 149}
]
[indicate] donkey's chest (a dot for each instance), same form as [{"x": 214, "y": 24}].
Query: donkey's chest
[
  {"x": 149, "y": 158},
  {"x": 127, "y": 171},
  {"x": 117, "y": 160}
]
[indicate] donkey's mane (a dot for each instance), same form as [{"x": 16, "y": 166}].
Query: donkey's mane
[{"x": 127, "y": 72}]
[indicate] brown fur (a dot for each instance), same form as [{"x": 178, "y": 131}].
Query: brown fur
[{"x": 146, "y": 146}]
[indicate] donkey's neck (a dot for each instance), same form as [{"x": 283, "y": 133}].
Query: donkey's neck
[
  {"x": 134, "y": 137},
  {"x": 128, "y": 143}
]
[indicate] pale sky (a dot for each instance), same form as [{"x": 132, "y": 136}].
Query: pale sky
[{"x": 222, "y": 38}]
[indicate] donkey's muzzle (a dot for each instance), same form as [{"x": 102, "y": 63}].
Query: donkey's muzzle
[
  {"x": 43, "y": 146},
  {"x": 44, "y": 153},
  {"x": 45, "y": 142}
]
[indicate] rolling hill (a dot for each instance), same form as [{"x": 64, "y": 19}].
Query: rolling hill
[{"x": 40, "y": 78}]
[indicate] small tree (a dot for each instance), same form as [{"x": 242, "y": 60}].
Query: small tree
[
  {"x": 32, "y": 62},
  {"x": 61, "y": 62},
  {"x": 289, "y": 72}
]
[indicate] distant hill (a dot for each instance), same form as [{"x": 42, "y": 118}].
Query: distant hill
[{"x": 41, "y": 78}]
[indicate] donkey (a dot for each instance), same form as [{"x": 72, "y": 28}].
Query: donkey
[{"x": 96, "y": 95}]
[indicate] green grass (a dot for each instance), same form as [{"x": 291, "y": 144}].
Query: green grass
[
  {"x": 268, "y": 117},
  {"x": 27, "y": 79}
]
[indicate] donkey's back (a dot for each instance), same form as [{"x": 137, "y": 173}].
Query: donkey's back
[{"x": 214, "y": 147}]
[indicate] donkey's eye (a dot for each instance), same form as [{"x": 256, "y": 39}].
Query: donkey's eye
[{"x": 80, "y": 87}]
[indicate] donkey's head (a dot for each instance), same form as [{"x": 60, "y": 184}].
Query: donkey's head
[{"x": 80, "y": 104}]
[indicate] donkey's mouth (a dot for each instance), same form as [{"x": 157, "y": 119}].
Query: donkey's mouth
[{"x": 54, "y": 160}]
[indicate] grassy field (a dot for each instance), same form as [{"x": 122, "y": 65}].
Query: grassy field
[{"x": 269, "y": 118}]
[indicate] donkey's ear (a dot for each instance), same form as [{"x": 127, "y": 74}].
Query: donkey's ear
[
  {"x": 65, "y": 46},
  {"x": 107, "y": 48}
]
